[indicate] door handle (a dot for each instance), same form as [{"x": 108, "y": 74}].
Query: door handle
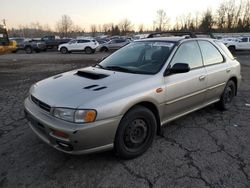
[
  {"x": 228, "y": 70},
  {"x": 202, "y": 77}
]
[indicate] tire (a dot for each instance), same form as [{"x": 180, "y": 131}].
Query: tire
[
  {"x": 64, "y": 50},
  {"x": 227, "y": 96},
  {"x": 232, "y": 49},
  {"x": 104, "y": 49},
  {"x": 135, "y": 132},
  {"x": 28, "y": 50},
  {"x": 88, "y": 50}
]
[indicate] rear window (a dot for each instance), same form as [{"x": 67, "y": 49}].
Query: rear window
[{"x": 225, "y": 49}]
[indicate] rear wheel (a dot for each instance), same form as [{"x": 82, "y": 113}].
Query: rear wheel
[
  {"x": 28, "y": 50},
  {"x": 64, "y": 50},
  {"x": 227, "y": 96},
  {"x": 88, "y": 50},
  {"x": 104, "y": 49},
  {"x": 135, "y": 132}
]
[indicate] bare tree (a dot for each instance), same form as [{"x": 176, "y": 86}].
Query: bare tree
[
  {"x": 141, "y": 28},
  {"x": 64, "y": 25},
  {"x": 221, "y": 16},
  {"x": 162, "y": 21},
  {"x": 107, "y": 28},
  {"x": 246, "y": 16},
  {"x": 207, "y": 21},
  {"x": 93, "y": 29},
  {"x": 100, "y": 28},
  {"x": 125, "y": 26},
  {"x": 197, "y": 20}
]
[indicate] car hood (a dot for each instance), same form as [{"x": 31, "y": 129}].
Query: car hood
[{"x": 76, "y": 88}]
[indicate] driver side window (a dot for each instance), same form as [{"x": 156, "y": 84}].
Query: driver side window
[{"x": 188, "y": 53}]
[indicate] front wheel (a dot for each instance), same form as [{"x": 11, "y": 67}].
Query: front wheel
[
  {"x": 88, "y": 50},
  {"x": 28, "y": 50},
  {"x": 64, "y": 50},
  {"x": 104, "y": 49},
  {"x": 227, "y": 96},
  {"x": 135, "y": 133}
]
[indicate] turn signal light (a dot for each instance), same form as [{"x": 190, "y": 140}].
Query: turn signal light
[{"x": 90, "y": 116}]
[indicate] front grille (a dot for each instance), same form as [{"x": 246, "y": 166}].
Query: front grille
[{"x": 41, "y": 104}]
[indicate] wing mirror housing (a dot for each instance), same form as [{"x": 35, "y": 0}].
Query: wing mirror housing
[{"x": 177, "y": 68}]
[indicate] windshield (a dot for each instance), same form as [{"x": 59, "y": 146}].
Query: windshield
[{"x": 141, "y": 57}]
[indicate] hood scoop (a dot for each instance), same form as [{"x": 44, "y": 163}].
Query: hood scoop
[
  {"x": 91, "y": 75},
  {"x": 95, "y": 87}
]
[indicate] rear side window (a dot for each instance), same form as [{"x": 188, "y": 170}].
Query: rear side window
[
  {"x": 210, "y": 53},
  {"x": 120, "y": 41},
  {"x": 225, "y": 49},
  {"x": 244, "y": 39},
  {"x": 189, "y": 53},
  {"x": 83, "y": 41}
]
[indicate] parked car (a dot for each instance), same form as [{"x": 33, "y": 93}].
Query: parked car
[
  {"x": 124, "y": 100},
  {"x": 101, "y": 41},
  {"x": 235, "y": 44},
  {"x": 20, "y": 43},
  {"x": 53, "y": 41},
  {"x": 79, "y": 45},
  {"x": 34, "y": 45},
  {"x": 113, "y": 44},
  {"x": 6, "y": 45}
]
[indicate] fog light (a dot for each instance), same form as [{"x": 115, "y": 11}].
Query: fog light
[{"x": 60, "y": 134}]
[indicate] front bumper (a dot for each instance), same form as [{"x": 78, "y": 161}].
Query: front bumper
[{"x": 83, "y": 138}]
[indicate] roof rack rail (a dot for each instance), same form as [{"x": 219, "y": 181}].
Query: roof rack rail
[
  {"x": 173, "y": 33},
  {"x": 204, "y": 34}
]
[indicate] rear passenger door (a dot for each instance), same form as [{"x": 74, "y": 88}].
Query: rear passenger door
[
  {"x": 217, "y": 70},
  {"x": 185, "y": 91},
  {"x": 81, "y": 44}
]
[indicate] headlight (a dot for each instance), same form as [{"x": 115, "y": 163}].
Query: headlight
[{"x": 76, "y": 116}]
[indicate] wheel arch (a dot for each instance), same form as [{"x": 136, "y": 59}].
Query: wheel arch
[
  {"x": 87, "y": 47},
  {"x": 235, "y": 80},
  {"x": 103, "y": 48},
  {"x": 153, "y": 108}
]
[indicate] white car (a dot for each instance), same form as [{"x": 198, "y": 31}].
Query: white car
[
  {"x": 79, "y": 45},
  {"x": 234, "y": 44}
]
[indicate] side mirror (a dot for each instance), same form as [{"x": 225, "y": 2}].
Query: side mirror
[{"x": 177, "y": 68}]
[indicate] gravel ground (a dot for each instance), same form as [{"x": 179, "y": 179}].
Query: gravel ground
[{"x": 207, "y": 148}]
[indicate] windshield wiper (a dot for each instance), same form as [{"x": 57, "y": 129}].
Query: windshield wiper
[
  {"x": 117, "y": 68},
  {"x": 98, "y": 65}
]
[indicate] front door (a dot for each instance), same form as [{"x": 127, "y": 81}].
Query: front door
[{"x": 185, "y": 91}]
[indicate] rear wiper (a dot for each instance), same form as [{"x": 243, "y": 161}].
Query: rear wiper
[{"x": 117, "y": 68}]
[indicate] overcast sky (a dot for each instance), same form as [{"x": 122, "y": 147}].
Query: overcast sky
[{"x": 87, "y": 12}]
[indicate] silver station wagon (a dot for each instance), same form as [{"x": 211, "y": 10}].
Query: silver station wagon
[{"x": 123, "y": 101}]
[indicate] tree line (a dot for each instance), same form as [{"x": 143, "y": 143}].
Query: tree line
[{"x": 228, "y": 17}]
